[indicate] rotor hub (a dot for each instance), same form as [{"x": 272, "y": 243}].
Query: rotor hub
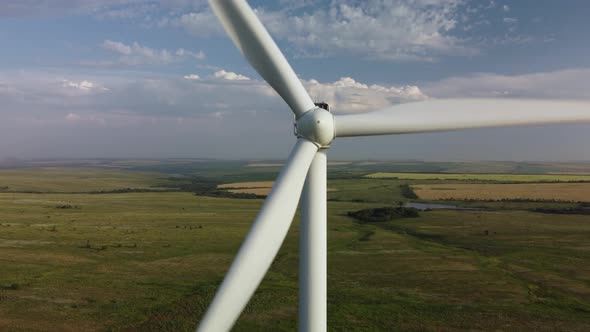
[{"x": 317, "y": 126}]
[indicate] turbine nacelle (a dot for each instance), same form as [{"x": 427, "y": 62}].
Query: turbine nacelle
[{"x": 317, "y": 126}]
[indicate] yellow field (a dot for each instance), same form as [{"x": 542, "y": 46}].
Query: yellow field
[
  {"x": 331, "y": 163},
  {"x": 483, "y": 177},
  {"x": 534, "y": 191},
  {"x": 256, "y": 191},
  {"x": 255, "y": 184},
  {"x": 255, "y": 187}
]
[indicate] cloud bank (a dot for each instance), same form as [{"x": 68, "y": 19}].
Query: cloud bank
[
  {"x": 135, "y": 54},
  {"x": 561, "y": 84},
  {"x": 398, "y": 30}
]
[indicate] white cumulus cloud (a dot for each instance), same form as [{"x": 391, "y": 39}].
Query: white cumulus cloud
[
  {"x": 510, "y": 20},
  {"x": 348, "y": 95},
  {"x": 201, "y": 24},
  {"x": 200, "y": 55},
  {"x": 117, "y": 47},
  {"x": 192, "y": 77},
  {"x": 72, "y": 117},
  {"x": 136, "y": 54},
  {"x": 83, "y": 85},
  {"x": 231, "y": 76}
]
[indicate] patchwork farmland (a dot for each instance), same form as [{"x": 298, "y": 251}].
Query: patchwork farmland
[
  {"x": 566, "y": 192},
  {"x": 142, "y": 246}
]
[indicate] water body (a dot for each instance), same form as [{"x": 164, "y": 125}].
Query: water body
[{"x": 428, "y": 206}]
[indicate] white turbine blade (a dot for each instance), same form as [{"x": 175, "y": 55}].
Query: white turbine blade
[
  {"x": 262, "y": 243},
  {"x": 253, "y": 40},
  {"x": 454, "y": 114}
]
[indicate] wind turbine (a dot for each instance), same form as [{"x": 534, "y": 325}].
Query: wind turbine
[{"x": 304, "y": 173}]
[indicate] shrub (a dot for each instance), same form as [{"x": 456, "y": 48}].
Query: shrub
[
  {"x": 11, "y": 286},
  {"x": 384, "y": 214},
  {"x": 407, "y": 191},
  {"x": 67, "y": 206}
]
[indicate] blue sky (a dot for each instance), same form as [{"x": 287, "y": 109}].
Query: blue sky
[{"x": 131, "y": 78}]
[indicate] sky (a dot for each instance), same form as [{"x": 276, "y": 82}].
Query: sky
[{"x": 160, "y": 79}]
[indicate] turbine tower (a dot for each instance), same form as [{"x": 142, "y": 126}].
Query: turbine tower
[{"x": 304, "y": 174}]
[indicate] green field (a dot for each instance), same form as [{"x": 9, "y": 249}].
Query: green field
[
  {"x": 66, "y": 180},
  {"x": 483, "y": 177},
  {"x": 152, "y": 261}
]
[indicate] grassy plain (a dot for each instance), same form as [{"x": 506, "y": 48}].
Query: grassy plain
[
  {"x": 569, "y": 192},
  {"x": 240, "y": 185},
  {"x": 152, "y": 261},
  {"x": 483, "y": 177},
  {"x": 76, "y": 180}
]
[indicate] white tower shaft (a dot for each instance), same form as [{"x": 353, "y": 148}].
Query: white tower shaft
[{"x": 313, "y": 248}]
